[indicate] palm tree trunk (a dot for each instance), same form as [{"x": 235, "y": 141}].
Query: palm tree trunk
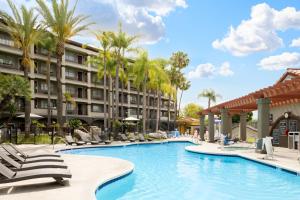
[
  {"x": 148, "y": 112},
  {"x": 144, "y": 107},
  {"x": 60, "y": 53},
  {"x": 105, "y": 92},
  {"x": 175, "y": 107},
  {"x": 157, "y": 112},
  {"x": 27, "y": 106},
  {"x": 117, "y": 88},
  {"x": 180, "y": 102},
  {"x": 208, "y": 102},
  {"x": 169, "y": 112},
  {"x": 110, "y": 103},
  {"x": 138, "y": 107},
  {"x": 49, "y": 90},
  {"x": 122, "y": 100}
]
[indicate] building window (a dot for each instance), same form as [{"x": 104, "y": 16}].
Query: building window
[
  {"x": 71, "y": 57},
  {"x": 6, "y": 60},
  {"x": 71, "y": 90},
  {"x": 44, "y": 86},
  {"x": 70, "y": 73},
  {"x": 5, "y": 39},
  {"x": 97, "y": 108}
]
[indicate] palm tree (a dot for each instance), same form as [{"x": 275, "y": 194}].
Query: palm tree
[
  {"x": 48, "y": 42},
  {"x": 178, "y": 60},
  {"x": 25, "y": 31},
  {"x": 141, "y": 68},
  {"x": 104, "y": 40},
  {"x": 184, "y": 85},
  {"x": 211, "y": 95},
  {"x": 109, "y": 68},
  {"x": 64, "y": 24},
  {"x": 160, "y": 83},
  {"x": 121, "y": 43}
]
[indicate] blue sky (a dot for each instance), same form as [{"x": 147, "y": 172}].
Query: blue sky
[
  {"x": 193, "y": 30},
  {"x": 235, "y": 46}
]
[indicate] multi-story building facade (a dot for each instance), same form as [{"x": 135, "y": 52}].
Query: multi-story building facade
[{"x": 79, "y": 78}]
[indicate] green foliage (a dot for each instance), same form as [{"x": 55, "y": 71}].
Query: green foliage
[
  {"x": 192, "y": 110},
  {"x": 37, "y": 124},
  {"x": 236, "y": 118},
  {"x": 74, "y": 123},
  {"x": 210, "y": 94},
  {"x": 12, "y": 87}
]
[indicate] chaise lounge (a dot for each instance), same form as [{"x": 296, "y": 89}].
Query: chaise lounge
[
  {"x": 22, "y": 160},
  {"x": 70, "y": 141},
  {"x": 23, "y": 154},
  {"x": 27, "y": 166},
  {"x": 9, "y": 176}
]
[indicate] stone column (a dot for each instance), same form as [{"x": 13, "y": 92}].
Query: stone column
[
  {"x": 243, "y": 126},
  {"x": 263, "y": 106},
  {"x": 225, "y": 121},
  {"x": 202, "y": 127},
  {"x": 211, "y": 127},
  {"x": 229, "y": 128}
]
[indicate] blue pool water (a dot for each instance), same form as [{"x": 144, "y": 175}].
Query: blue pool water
[{"x": 167, "y": 172}]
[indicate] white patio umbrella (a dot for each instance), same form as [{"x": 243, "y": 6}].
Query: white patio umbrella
[
  {"x": 32, "y": 116},
  {"x": 131, "y": 119}
]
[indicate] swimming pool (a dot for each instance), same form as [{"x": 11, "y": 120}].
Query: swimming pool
[{"x": 167, "y": 172}]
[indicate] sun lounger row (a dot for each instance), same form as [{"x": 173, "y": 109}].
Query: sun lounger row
[
  {"x": 16, "y": 165},
  {"x": 133, "y": 138}
]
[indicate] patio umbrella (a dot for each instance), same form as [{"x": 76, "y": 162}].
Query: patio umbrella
[
  {"x": 32, "y": 116},
  {"x": 132, "y": 119}
]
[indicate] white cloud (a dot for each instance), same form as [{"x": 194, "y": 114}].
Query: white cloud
[
  {"x": 208, "y": 70},
  {"x": 295, "y": 43},
  {"x": 143, "y": 18},
  {"x": 202, "y": 70},
  {"x": 282, "y": 61},
  {"x": 259, "y": 33},
  {"x": 225, "y": 69}
]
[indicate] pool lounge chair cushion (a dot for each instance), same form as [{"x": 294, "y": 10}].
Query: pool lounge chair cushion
[
  {"x": 9, "y": 176},
  {"x": 23, "y": 154}
]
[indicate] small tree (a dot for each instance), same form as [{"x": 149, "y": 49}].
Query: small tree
[
  {"x": 192, "y": 110},
  {"x": 74, "y": 124}
]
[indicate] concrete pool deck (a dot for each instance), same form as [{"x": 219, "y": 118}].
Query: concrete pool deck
[
  {"x": 283, "y": 158},
  {"x": 91, "y": 171}
]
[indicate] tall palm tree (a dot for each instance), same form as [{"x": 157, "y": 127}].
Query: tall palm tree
[
  {"x": 121, "y": 43},
  {"x": 160, "y": 83},
  {"x": 109, "y": 68},
  {"x": 184, "y": 85},
  {"x": 25, "y": 31},
  {"x": 211, "y": 95},
  {"x": 141, "y": 68},
  {"x": 64, "y": 24},
  {"x": 48, "y": 42},
  {"x": 104, "y": 41},
  {"x": 178, "y": 60}
]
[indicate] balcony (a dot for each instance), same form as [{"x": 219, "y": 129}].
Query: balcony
[{"x": 76, "y": 75}]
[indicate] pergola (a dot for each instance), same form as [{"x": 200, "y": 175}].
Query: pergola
[{"x": 285, "y": 91}]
